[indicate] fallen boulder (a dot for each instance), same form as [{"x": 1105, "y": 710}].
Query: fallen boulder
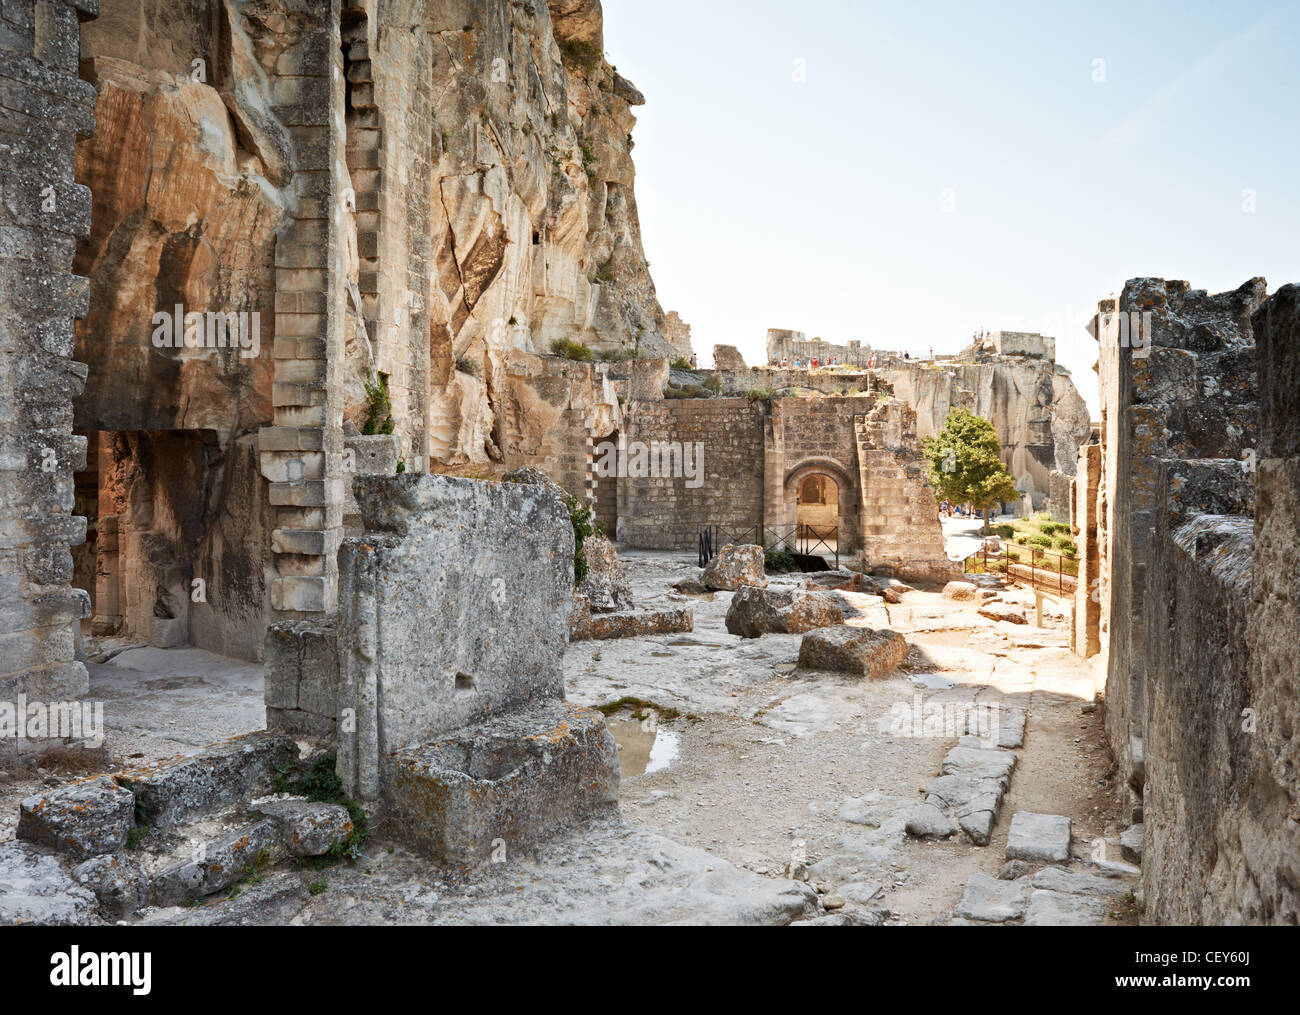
[
  {"x": 606, "y": 586},
  {"x": 754, "y": 612},
  {"x": 735, "y": 567},
  {"x": 961, "y": 592},
  {"x": 859, "y": 650},
  {"x": 1007, "y": 612}
]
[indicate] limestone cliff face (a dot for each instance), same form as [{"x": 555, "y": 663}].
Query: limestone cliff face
[
  {"x": 535, "y": 229},
  {"x": 1038, "y": 414},
  {"x": 490, "y": 212}
]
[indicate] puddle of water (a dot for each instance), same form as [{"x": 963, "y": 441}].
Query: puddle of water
[{"x": 642, "y": 747}]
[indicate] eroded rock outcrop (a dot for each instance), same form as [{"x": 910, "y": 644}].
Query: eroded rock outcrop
[{"x": 1038, "y": 415}]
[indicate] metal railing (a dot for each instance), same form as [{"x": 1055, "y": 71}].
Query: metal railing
[
  {"x": 800, "y": 540},
  {"x": 1038, "y": 571}
]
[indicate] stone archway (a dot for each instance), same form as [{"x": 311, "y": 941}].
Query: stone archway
[{"x": 821, "y": 493}]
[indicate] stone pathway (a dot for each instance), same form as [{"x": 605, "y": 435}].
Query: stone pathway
[{"x": 1045, "y": 896}]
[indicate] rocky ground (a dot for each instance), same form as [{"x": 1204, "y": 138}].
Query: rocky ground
[
  {"x": 776, "y": 766},
  {"x": 753, "y": 791}
]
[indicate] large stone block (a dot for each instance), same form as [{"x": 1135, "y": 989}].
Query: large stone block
[
  {"x": 174, "y": 792},
  {"x": 754, "y": 612},
  {"x": 83, "y": 820},
  {"x": 505, "y": 782},
  {"x": 858, "y": 650},
  {"x": 456, "y": 602}
]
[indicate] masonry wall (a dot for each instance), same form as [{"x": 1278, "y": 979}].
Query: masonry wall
[
  {"x": 1155, "y": 407},
  {"x": 1198, "y": 619},
  {"x": 44, "y": 108},
  {"x": 665, "y": 513},
  {"x": 818, "y": 436}
]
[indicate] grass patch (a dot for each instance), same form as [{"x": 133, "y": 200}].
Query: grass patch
[
  {"x": 639, "y": 707},
  {"x": 319, "y": 783},
  {"x": 580, "y": 54},
  {"x": 779, "y": 561},
  {"x": 576, "y": 351},
  {"x": 379, "y": 409}
]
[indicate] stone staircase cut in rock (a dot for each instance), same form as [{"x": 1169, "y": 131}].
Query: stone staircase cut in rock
[{"x": 166, "y": 834}]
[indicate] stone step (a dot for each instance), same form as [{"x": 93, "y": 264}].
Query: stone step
[
  {"x": 178, "y": 865},
  {"x": 96, "y": 816},
  {"x": 175, "y": 792}
]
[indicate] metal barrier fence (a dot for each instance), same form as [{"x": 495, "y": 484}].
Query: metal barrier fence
[{"x": 800, "y": 540}]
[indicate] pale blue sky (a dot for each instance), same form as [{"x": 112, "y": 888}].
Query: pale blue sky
[{"x": 819, "y": 206}]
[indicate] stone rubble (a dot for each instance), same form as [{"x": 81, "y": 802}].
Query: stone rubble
[{"x": 735, "y": 567}]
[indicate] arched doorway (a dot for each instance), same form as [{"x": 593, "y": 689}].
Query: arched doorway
[
  {"x": 817, "y": 502},
  {"x": 820, "y": 494}
]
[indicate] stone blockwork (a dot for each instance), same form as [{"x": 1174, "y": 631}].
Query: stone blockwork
[
  {"x": 757, "y": 455},
  {"x": 901, "y": 534},
  {"x": 45, "y": 107},
  {"x": 1196, "y": 617},
  {"x": 451, "y": 634}
]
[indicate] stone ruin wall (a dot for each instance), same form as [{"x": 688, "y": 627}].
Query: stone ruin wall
[
  {"x": 45, "y": 108},
  {"x": 374, "y": 200},
  {"x": 757, "y": 453},
  {"x": 901, "y": 532},
  {"x": 1189, "y": 601},
  {"x": 663, "y": 513}
]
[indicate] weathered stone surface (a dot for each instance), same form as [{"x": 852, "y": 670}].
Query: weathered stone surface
[
  {"x": 754, "y": 612},
  {"x": 1007, "y": 612},
  {"x": 306, "y": 828},
  {"x": 835, "y": 581},
  {"x": 174, "y": 792},
  {"x": 961, "y": 592},
  {"x": 1196, "y": 599},
  {"x": 221, "y": 863},
  {"x": 849, "y": 917},
  {"x": 1013, "y": 869},
  {"x": 1057, "y": 880},
  {"x": 727, "y": 357},
  {"x": 1130, "y": 843},
  {"x": 630, "y": 624},
  {"x": 473, "y": 582},
  {"x": 512, "y": 778},
  {"x": 83, "y": 820},
  {"x": 606, "y": 585},
  {"x": 908, "y": 541},
  {"x": 991, "y": 900},
  {"x": 35, "y": 889},
  {"x": 692, "y": 587},
  {"x": 928, "y": 822},
  {"x": 970, "y": 787},
  {"x": 858, "y": 650},
  {"x": 735, "y": 567},
  {"x": 1041, "y": 837},
  {"x": 1058, "y": 909},
  {"x": 978, "y": 763},
  {"x": 117, "y": 882}
]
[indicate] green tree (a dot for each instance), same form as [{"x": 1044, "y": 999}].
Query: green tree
[{"x": 966, "y": 463}]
